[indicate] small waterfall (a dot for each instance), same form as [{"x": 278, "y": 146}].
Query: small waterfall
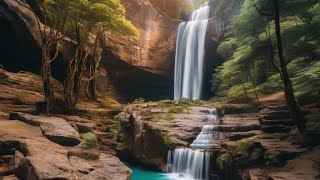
[
  {"x": 213, "y": 115},
  {"x": 205, "y": 139},
  {"x": 195, "y": 162},
  {"x": 190, "y": 55},
  {"x": 189, "y": 164}
]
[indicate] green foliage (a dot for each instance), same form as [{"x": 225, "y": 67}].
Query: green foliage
[
  {"x": 227, "y": 48},
  {"x": 224, "y": 161},
  {"x": 244, "y": 147},
  {"x": 79, "y": 18},
  {"x": 89, "y": 141},
  {"x": 249, "y": 49}
]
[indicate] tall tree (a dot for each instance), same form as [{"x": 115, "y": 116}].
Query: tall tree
[{"x": 294, "y": 108}]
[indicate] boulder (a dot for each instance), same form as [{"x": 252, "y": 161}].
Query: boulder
[{"x": 56, "y": 129}]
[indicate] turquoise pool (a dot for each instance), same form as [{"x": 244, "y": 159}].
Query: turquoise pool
[{"x": 140, "y": 173}]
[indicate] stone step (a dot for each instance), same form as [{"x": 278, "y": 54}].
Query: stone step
[
  {"x": 276, "y": 128},
  {"x": 235, "y": 136},
  {"x": 237, "y": 128},
  {"x": 276, "y": 107},
  {"x": 273, "y": 116},
  {"x": 277, "y": 122}
]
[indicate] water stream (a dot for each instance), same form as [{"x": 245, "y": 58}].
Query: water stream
[
  {"x": 188, "y": 80},
  {"x": 194, "y": 162}
]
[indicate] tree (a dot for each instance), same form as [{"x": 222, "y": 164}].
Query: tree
[
  {"x": 254, "y": 39},
  {"x": 294, "y": 108},
  {"x": 80, "y": 20}
]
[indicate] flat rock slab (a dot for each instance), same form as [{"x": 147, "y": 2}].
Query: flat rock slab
[
  {"x": 56, "y": 129},
  {"x": 242, "y": 122},
  {"x": 106, "y": 167},
  {"x": 43, "y": 159}
]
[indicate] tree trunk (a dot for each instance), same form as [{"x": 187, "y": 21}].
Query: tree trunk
[
  {"x": 47, "y": 84},
  {"x": 92, "y": 88},
  {"x": 254, "y": 88},
  {"x": 294, "y": 108}
]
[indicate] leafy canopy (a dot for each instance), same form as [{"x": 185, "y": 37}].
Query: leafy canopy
[{"x": 77, "y": 18}]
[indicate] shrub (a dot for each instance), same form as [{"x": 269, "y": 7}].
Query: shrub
[
  {"x": 224, "y": 161},
  {"x": 89, "y": 141}
]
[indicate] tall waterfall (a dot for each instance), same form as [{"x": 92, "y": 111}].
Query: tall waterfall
[{"x": 190, "y": 55}]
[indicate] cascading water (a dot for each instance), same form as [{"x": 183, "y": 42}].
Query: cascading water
[
  {"x": 189, "y": 164},
  {"x": 194, "y": 163},
  {"x": 190, "y": 55},
  {"x": 206, "y": 138}
]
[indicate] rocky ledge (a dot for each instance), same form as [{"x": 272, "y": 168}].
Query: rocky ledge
[
  {"x": 33, "y": 156},
  {"x": 34, "y": 146}
]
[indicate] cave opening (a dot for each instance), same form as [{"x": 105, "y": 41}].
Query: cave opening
[{"x": 19, "y": 51}]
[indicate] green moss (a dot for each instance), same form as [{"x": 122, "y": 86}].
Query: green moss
[
  {"x": 177, "y": 109},
  {"x": 244, "y": 147},
  {"x": 272, "y": 159},
  {"x": 89, "y": 141},
  {"x": 181, "y": 103},
  {"x": 224, "y": 161}
]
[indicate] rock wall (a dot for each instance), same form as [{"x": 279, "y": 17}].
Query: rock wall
[{"x": 20, "y": 38}]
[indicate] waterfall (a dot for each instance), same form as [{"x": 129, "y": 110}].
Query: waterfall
[
  {"x": 190, "y": 55},
  {"x": 189, "y": 164},
  {"x": 213, "y": 115},
  {"x": 193, "y": 163},
  {"x": 206, "y": 138}
]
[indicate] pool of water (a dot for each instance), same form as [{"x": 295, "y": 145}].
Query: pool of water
[{"x": 141, "y": 173}]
